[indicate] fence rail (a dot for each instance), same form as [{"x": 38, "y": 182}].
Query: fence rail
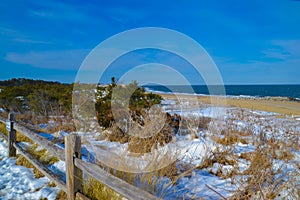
[
  {"x": 2, "y": 119},
  {"x": 75, "y": 166},
  {"x": 52, "y": 176},
  {"x": 114, "y": 183}
]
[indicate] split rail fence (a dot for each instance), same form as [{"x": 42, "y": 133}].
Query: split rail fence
[{"x": 75, "y": 166}]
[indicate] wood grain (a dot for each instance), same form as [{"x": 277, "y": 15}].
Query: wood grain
[
  {"x": 73, "y": 174},
  {"x": 35, "y": 137},
  {"x": 120, "y": 186},
  {"x": 12, "y": 136}
]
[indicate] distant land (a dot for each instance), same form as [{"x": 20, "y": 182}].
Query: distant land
[
  {"x": 290, "y": 91},
  {"x": 260, "y": 90}
]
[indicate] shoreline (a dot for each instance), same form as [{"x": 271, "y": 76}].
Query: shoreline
[{"x": 280, "y": 105}]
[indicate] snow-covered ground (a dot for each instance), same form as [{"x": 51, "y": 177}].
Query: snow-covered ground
[
  {"x": 206, "y": 182},
  {"x": 18, "y": 182}
]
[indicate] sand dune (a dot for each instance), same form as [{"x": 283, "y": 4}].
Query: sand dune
[{"x": 283, "y": 106}]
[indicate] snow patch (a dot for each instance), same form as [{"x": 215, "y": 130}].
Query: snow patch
[{"x": 18, "y": 182}]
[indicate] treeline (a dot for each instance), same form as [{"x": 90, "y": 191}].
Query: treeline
[
  {"x": 38, "y": 100},
  {"x": 40, "y": 97},
  {"x": 44, "y": 98},
  {"x": 25, "y": 81}
]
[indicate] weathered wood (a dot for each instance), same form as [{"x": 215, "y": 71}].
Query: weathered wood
[
  {"x": 12, "y": 135},
  {"x": 11, "y": 140},
  {"x": 74, "y": 176},
  {"x": 2, "y": 120},
  {"x": 120, "y": 186},
  {"x": 3, "y": 136},
  {"x": 74, "y": 165},
  {"x": 80, "y": 196},
  {"x": 35, "y": 137},
  {"x": 52, "y": 176}
]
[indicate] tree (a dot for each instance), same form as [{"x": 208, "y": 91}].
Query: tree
[
  {"x": 139, "y": 101},
  {"x": 40, "y": 97}
]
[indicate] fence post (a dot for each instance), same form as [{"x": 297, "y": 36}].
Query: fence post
[
  {"x": 11, "y": 135},
  {"x": 74, "y": 177}
]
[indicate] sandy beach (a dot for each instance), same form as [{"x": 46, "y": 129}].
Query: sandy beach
[{"x": 279, "y": 105}]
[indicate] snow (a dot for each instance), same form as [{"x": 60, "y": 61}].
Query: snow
[
  {"x": 198, "y": 186},
  {"x": 18, "y": 182},
  {"x": 205, "y": 183},
  {"x": 43, "y": 125},
  {"x": 212, "y": 112},
  {"x": 60, "y": 165},
  {"x": 243, "y": 148},
  {"x": 194, "y": 151},
  {"x": 168, "y": 102},
  {"x": 264, "y": 113}
]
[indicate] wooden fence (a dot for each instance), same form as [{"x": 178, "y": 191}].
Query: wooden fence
[{"x": 75, "y": 166}]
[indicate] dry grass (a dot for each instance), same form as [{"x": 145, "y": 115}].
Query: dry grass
[
  {"x": 51, "y": 184},
  {"x": 62, "y": 123},
  {"x": 280, "y": 150},
  {"x": 20, "y": 136},
  {"x": 94, "y": 190},
  {"x": 222, "y": 157},
  {"x": 145, "y": 145},
  {"x": 61, "y": 195},
  {"x": 246, "y": 156},
  {"x": 42, "y": 155},
  {"x": 117, "y": 135},
  {"x": 230, "y": 137},
  {"x": 23, "y": 138},
  {"x": 21, "y": 160},
  {"x": 4, "y": 115},
  {"x": 138, "y": 144},
  {"x": 261, "y": 180},
  {"x": 3, "y": 129},
  {"x": 266, "y": 176}
]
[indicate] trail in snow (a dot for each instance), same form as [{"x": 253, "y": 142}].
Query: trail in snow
[{"x": 18, "y": 182}]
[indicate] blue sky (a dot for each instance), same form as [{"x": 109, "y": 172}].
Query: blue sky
[{"x": 250, "y": 41}]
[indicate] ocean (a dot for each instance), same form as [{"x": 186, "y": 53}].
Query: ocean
[{"x": 290, "y": 91}]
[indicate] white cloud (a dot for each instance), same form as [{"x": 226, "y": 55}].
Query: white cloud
[
  {"x": 7, "y": 31},
  {"x": 58, "y": 10},
  {"x": 31, "y": 41},
  {"x": 280, "y": 63},
  {"x": 290, "y": 46},
  {"x": 276, "y": 54},
  {"x": 64, "y": 59},
  {"x": 124, "y": 14}
]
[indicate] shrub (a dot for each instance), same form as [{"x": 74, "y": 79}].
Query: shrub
[{"x": 139, "y": 101}]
